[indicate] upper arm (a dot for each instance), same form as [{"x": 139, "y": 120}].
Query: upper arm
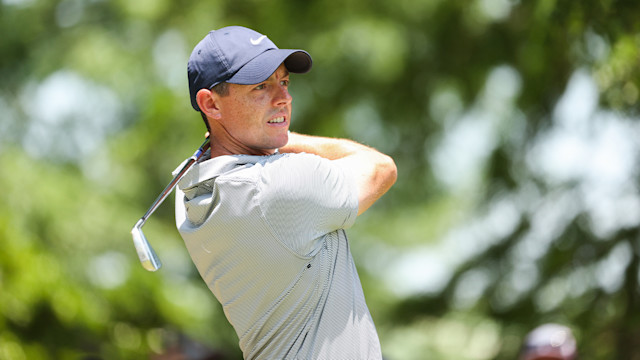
[
  {"x": 310, "y": 194},
  {"x": 373, "y": 172}
]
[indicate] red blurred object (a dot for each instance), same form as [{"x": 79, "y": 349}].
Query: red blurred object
[{"x": 549, "y": 342}]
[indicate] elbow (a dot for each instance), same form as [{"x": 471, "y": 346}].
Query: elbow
[{"x": 390, "y": 170}]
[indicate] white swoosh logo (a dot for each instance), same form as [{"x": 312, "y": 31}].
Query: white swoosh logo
[{"x": 258, "y": 40}]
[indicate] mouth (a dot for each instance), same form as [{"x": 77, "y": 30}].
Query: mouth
[{"x": 278, "y": 120}]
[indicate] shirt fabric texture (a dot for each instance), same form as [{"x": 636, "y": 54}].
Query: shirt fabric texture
[{"x": 267, "y": 235}]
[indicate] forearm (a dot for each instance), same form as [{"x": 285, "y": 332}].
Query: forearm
[{"x": 328, "y": 148}]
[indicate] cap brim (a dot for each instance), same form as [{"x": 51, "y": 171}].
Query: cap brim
[{"x": 262, "y": 66}]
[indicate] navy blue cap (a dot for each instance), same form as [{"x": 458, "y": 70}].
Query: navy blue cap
[{"x": 239, "y": 55}]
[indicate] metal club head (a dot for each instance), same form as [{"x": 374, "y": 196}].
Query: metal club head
[{"x": 146, "y": 254}]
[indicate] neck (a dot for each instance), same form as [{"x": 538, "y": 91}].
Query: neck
[{"x": 219, "y": 149}]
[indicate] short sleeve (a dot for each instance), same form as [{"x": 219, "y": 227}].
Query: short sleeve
[{"x": 304, "y": 197}]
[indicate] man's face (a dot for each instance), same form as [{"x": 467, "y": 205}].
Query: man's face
[{"x": 257, "y": 117}]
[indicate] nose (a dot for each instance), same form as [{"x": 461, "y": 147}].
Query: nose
[{"x": 282, "y": 96}]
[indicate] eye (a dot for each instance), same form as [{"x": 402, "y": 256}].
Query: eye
[
  {"x": 260, "y": 87},
  {"x": 284, "y": 82}
]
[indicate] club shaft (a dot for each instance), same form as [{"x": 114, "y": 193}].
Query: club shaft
[
  {"x": 146, "y": 254},
  {"x": 169, "y": 188}
]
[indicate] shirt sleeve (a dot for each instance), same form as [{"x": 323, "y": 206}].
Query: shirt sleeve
[{"x": 304, "y": 197}]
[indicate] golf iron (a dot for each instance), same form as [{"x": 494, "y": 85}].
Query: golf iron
[{"x": 146, "y": 254}]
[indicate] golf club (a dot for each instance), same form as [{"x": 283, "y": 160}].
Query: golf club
[{"x": 146, "y": 254}]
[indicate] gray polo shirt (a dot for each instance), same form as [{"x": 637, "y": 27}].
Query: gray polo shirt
[{"x": 267, "y": 235}]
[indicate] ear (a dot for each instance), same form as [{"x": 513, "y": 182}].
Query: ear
[{"x": 208, "y": 103}]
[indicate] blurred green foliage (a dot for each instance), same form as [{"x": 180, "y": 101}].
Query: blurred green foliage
[{"x": 514, "y": 125}]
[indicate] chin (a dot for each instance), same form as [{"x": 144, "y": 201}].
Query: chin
[{"x": 281, "y": 141}]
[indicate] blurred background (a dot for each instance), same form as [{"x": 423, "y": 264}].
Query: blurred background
[{"x": 514, "y": 125}]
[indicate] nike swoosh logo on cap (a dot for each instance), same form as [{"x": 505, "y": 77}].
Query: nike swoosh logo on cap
[{"x": 258, "y": 40}]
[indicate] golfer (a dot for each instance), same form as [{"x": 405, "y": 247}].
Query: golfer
[{"x": 263, "y": 215}]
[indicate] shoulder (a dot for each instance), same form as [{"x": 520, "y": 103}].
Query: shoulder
[
  {"x": 309, "y": 191},
  {"x": 300, "y": 160},
  {"x": 302, "y": 168},
  {"x": 305, "y": 177}
]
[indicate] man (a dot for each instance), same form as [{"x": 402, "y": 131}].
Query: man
[{"x": 263, "y": 216}]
